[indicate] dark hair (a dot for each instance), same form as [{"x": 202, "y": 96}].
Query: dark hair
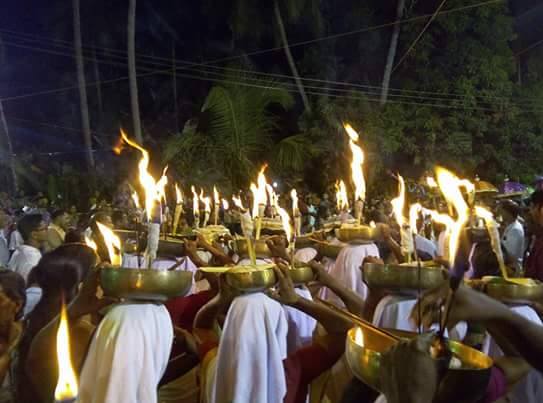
[
  {"x": 29, "y": 223},
  {"x": 74, "y": 236},
  {"x": 511, "y": 207},
  {"x": 64, "y": 268},
  {"x": 536, "y": 199},
  {"x": 13, "y": 285},
  {"x": 57, "y": 213},
  {"x": 484, "y": 260}
]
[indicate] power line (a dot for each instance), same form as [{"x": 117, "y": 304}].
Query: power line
[
  {"x": 533, "y": 45},
  {"x": 443, "y": 96},
  {"x": 432, "y": 18}
]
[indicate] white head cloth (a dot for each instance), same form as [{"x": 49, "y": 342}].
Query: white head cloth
[
  {"x": 128, "y": 355},
  {"x": 300, "y": 325},
  {"x": 251, "y": 352}
]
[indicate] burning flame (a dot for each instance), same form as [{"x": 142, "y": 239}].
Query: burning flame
[
  {"x": 195, "y": 201},
  {"x": 113, "y": 244},
  {"x": 67, "y": 382},
  {"x": 90, "y": 243},
  {"x": 285, "y": 220},
  {"x": 259, "y": 192},
  {"x": 207, "y": 202},
  {"x": 178, "y": 194},
  {"x": 356, "y": 164},
  {"x": 359, "y": 337},
  {"x": 450, "y": 184},
  {"x": 271, "y": 195},
  {"x": 237, "y": 202},
  {"x": 342, "y": 200},
  {"x": 414, "y": 212},
  {"x": 431, "y": 182},
  {"x": 399, "y": 202},
  {"x": 225, "y": 204},
  {"x": 372, "y": 224},
  {"x": 154, "y": 191},
  {"x": 294, "y": 197},
  {"x": 136, "y": 199},
  {"x": 216, "y": 197}
]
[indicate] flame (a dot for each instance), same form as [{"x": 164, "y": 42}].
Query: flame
[
  {"x": 431, "y": 182},
  {"x": 359, "y": 337},
  {"x": 178, "y": 194},
  {"x": 225, "y": 204},
  {"x": 259, "y": 192},
  {"x": 113, "y": 244},
  {"x": 450, "y": 185},
  {"x": 356, "y": 164},
  {"x": 399, "y": 202},
  {"x": 414, "y": 212},
  {"x": 341, "y": 196},
  {"x": 136, "y": 199},
  {"x": 90, "y": 243},
  {"x": 294, "y": 197},
  {"x": 67, "y": 382},
  {"x": 372, "y": 224},
  {"x": 154, "y": 191},
  {"x": 285, "y": 220},
  {"x": 271, "y": 195},
  {"x": 237, "y": 202},
  {"x": 195, "y": 201},
  {"x": 207, "y": 202}
]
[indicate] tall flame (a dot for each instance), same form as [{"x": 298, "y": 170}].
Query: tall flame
[
  {"x": 271, "y": 195},
  {"x": 259, "y": 192},
  {"x": 342, "y": 200},
  {"x": 359, "y": 337},
  {"x": 294, "y": 197},
  {"x": 356, "y": 164},
  {"x": 178, "y": 194},
  {"x": 67, "y": 382},
  {"x": 113, "y": 244},
  {"x": 225, "y": 204},
  {"x": 90, "y": 243},
  {"x": 154, "y": 191},
  {"x": 285, "y": 220},
  {"x": 195, "y": 201},
  {"x": 216, "y": 198},
  {"x": 399, "y": 202},
  {"x": 237, "y": 202},
  {"x": 450, "y": 185},
  {"x": 207, "y": 202}
]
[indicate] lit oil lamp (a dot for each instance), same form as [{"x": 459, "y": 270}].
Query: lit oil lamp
[
  {"x": 357, "y": 172},
  {"x": 178, "y": 208},
  {"x": 67, "y": 388}
]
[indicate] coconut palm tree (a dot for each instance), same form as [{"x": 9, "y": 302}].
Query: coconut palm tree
[{"x": 134, "y": 102}]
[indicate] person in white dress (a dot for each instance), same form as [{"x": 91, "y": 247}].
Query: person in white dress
[{"x": 513, "y": 233}]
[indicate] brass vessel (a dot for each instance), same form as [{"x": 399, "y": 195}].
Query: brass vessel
[
  {"x": 301, "y": 274},
  {"x": 500, "y": 289},
  {"x": 393, "y": 276},
  {"x": 261, "y": 249},
  {"x": 329, "y": 250},
  {"x": 356, "y": 233},
  {"x": 251, "y": 278},
  {"x": 138, "y": 284}
]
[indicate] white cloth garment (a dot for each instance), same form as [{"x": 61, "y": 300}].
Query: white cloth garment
[
  {"x": 442, "y": 240},
  {"x": 305, "y": 255},
  {"x": 4, "y": 249},
  {"x": 393, "y": 312},
  {"x": 347, "y": 270},
  {"x": 300, "y": 325},
  {"x": 249, "y": 363},
  {"x": 15, "y": 240},
  {"x": 33, "y": 296},
  {"x": 425, "y": 245},
  {"x": 24, "y": 259},
  {"x": 513, "y": 241},
  {"x": 128, "y": 355}
]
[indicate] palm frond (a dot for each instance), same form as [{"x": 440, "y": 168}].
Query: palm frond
[{"x": 292, "y": 153}]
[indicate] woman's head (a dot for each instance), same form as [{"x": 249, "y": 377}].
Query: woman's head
[
  {"x": 12, "y": 285},
  {"x": 61, "y": 270}
]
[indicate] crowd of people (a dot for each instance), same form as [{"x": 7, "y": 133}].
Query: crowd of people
[{"x": 218, "y": 345}]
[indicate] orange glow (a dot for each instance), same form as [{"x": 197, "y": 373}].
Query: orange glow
[
  {"x": 399, "y": 202},
  {"x": 67, "y": 382},
  {"x": 450, "y": 185},
  {"x": 113, "y": 244},
  {"x": 342, "y": 201},
  {"x": 154, "y": 191},
  {"x": 356, "y": 164}
]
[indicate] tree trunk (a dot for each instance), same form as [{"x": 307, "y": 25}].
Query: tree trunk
[
  {"x": 100, "y": 127},
  {"x": 290, "y": 60},
  {"x": 82, "y": 88},
  {"x": 10, "y": 159},
  {"x": 392, "y": 52},
  {"x": 132, "y": 70}
]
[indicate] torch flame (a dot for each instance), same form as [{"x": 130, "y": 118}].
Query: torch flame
[
  {"x": 359, "y": 337},
  {"x": 450, "y": 185},
  {"x": 294, "y": 197},
  {"x": 136, "y": 199},
  {"x": 113, "y": 244},
  {"x": 195, "y": 201},
  {"x": 341, "y": 196},
  {"x": 259, "y": 191},
  {"x": 431, "y": 182},
  {"x": 237, "y": 202},
  {"x": 216, "y": 198},
  {"x": 225, "y": 204},
  {"x": 90, "y": 243},
  {"x": 207, "y": 202},
  {"x": 285, "y": 220},
  {"x": 67, "y": 382},
  {"x": 271, "y": 195},
  {"x": 178, "y": 194},
  {"x": 399, "y": 202},
  {"x": 154, "y": 191},
  {"x": 356, "y": 164}
]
